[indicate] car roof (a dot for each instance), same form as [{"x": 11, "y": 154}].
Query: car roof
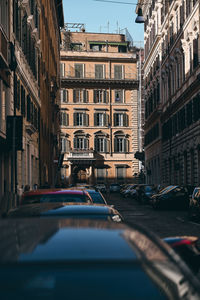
[
  {"x": 63, "y": 239},
  {"x": 53, "y": 192},
  {"x": 75, "y": 209}
]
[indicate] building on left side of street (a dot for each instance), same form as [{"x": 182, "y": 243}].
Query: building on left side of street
[
  {"x": 29, "y": 85},
  {"x": 6, "y": 103}
]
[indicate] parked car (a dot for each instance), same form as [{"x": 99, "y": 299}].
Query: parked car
[
  {"x": 115, "y": 187},
  {"x": 144, "y": 193},
  {"x": 188, "y": 249},
  {"x": 66, "y": 210},
  {"x": 55, "y": 195},
  {"x": 94, "y": 194},
  {"x": 172, "y": 197},
  {"x": 130, "y": 190},
  {"x": 194, "y": 205},
  {"x": 101, "y": 187},
  {"x": 81, "y": 259}
]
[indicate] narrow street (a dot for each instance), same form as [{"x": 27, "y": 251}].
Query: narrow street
[{"x": 163, "y": 223}]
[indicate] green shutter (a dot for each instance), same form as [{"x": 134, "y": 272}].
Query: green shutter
[
  {"x": 115, "y": 119},
  {"x": 75, "y": 143},
  {"x": 95, "y": 96},
  {"x": 95, "y": 119},
  {"x": 115, "y": 145},
  {"x": 74, "y": 96},
  {"x": 75, "y": 119}
]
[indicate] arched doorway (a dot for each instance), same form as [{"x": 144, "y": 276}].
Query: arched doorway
[{"x": 80, "y": 175}]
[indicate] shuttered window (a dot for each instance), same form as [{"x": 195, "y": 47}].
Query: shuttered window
[
  {"x": 81, "y": 119},
  {"x": 121, "y": 145},
  {"x": 100, "y": 119},
  {"x": 64, "y": 121},
  {"x": 80, "y": 96},
  {"x": 65, "y": 145},
  {"x": 100, "y": 96},
  {"x": 120, "y": 173},
  {"x": 101, "y": 144},
  {"x": 120, "y": 119},
  {"x": 99, "y": 71},
  {"x": 118, "y": 72},
  {"x": 64, "y": 96},
  {"x": 79, "y": 70},
  {"x": 81, "y": 143},
  {"x": 195, "y": 53}
]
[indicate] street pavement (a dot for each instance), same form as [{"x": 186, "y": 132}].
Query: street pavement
[{"x": 163, "y": 223}]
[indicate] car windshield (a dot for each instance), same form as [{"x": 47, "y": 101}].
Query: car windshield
[
  {"x": 148, "y": 188},
  {"x": 97, "y": 198},
  {"x": 55, "y": 198}
]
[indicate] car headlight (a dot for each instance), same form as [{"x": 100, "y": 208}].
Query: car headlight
[{"x": 116, "y": 218}]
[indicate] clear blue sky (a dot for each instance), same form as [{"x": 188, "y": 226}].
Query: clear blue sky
[{"x": 96, "y": 15}]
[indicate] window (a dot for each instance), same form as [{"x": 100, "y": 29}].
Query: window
[
  {"x": 64, "y": 96},
  {"x": 118, "y": 72},
  {"x": 100, "y": 119},
  {"x": 62, "y": 69},
  {"x": 81, "y": 119},
  {"x": 120, "y": 119},
  {"x": 81, "y": 143},
  {"x": 100, "y": 96},
  {"x": 79, "y": 70},
  {"x": 100, "y": 174},
  {"x": 99, "y": 71},
  {"x": 65, "y": 145},
  {"x": 80, "y": 96},
  {"x": 120, "y": 144},
  {"x": 119, "y": 96},
  {"x": 95, "y": 47},
  {"x": 64, "y": 119},
  {"x": 120, "y": 173},
  {"x": 101, "y": 144},
  {"x": 4, "y": 19}
]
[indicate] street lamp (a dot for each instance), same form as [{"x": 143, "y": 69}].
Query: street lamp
[{"x": 140, "y": 18}]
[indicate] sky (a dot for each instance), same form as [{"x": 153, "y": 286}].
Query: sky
[{"x": 105, "y": 17}]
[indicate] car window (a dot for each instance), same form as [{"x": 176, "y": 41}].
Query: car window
[
  {"x": 56, "y": 198},
  {"x": 97, "y": 198}
]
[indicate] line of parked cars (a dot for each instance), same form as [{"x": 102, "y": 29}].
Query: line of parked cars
[{"x": 61, "y": 239}]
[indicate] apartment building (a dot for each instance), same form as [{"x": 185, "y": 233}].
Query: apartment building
[
  {"x": 172, "y": 100},
  {"x": 29, "y": 93},
  {"x": 99, "y": 107},
  {"x": 6, "y": 103}
]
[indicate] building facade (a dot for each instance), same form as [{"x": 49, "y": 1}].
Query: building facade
[
  {"x": 29, "y": 85},
  {"x": 99, "y": 108},
  {"x": 172, "y": 100},
  {"x": 6, "y": 101}
]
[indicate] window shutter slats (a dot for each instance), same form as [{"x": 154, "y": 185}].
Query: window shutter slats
[
  {"x": 74, "y": 96},
  {"x": 75, "y": 143},
  {"x": 95, "y": 96},
  {"x": 75, "y": 119}
]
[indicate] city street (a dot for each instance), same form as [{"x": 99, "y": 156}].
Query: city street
[{"x": 163, "y": 223}]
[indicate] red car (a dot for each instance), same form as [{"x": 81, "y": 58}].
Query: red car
[{"x": 55, "y": 195}]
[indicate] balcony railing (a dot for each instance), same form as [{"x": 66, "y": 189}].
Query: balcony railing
[{"x": 80, "y": 154}]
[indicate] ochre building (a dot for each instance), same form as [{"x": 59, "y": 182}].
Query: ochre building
[{"x": 99, "y": 108}]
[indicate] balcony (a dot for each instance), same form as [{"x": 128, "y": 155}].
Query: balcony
[
  {"x": 80, "y": 156},
  {"x": 128, "y": 78}
]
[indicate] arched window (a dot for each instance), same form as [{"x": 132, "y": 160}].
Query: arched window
[
  {"x": 121, "y": 142},
  {"x": 81, "y": 140}
]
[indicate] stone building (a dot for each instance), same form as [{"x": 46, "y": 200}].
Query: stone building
[
  {"x": 99, "y": 107},
  {"x": 29, "y": 87},
  {"x": 172, "y": 100}
]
